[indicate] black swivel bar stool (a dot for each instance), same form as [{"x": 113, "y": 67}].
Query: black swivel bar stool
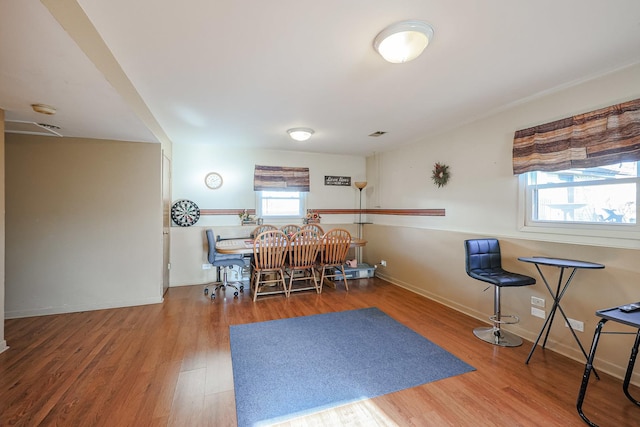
[{"x": 484, "y": 262}]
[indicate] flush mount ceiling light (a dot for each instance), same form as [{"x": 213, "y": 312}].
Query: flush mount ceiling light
[
  {"x": 403, "y": 41},
  {"x": 300, "y": 134},
  {"x": 43, "y": 109}
]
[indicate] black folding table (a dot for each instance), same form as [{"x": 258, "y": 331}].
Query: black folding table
[
  {"x": 562, "y": 264},
  {"x": 616, "y": 315}
]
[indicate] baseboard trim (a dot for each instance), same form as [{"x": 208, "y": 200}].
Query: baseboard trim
[
  {"x": 3, "y": 346},
  {"x": 17, "y": 314}
]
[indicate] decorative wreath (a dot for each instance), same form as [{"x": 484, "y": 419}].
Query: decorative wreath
[{"x": 440, "y": 174}]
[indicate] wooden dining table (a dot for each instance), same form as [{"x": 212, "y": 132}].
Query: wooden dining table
[{"x": 245, "y": 246}]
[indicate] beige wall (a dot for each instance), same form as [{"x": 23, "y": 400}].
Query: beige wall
[
  {"x": 84, "y": 224},
  {"x": 427, "y": 254},
  {"x": 431, "y": 263},
  {"x": 3, "y": 342}
]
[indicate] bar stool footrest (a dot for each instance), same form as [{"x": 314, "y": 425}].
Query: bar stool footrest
[{"x": 505, "y": 319}]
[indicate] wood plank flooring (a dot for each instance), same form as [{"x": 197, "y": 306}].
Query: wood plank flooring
[{"x": 169, "y": 365}]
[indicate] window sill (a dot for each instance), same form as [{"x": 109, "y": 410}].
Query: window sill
[{"x": 626, "y": 236}]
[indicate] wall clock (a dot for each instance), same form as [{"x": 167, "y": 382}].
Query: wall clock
[
  {"x": 213, "y": 180},
  {"x": 185, "y": 213}
]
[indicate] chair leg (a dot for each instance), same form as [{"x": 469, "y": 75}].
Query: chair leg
[
  {"x": 280, "y": 279},
  {"x": 321, "y": 274},
  {"x": 284, "y": 283},
  {"x": 307, "y": 274},
  {"x": 315, "y": 282},
  {"x": 344, "y": 277},
  {"x": 256, "y": 283},
  {"x": 287, "y": 291},
  {"x": 495, "y": 335},
  {"x": 224, "y": 284}
]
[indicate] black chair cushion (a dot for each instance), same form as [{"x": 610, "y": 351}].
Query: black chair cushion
[{"x": 484, "y": 262}]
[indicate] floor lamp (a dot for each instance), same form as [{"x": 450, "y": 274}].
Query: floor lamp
[{"x": 360, "y": 185}]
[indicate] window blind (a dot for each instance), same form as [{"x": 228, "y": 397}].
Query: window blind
[
  {"x": 598, "y": 138},
  {"x": 280, "y": 178}
]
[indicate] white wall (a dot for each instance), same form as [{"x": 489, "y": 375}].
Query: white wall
[
  {"x": 426, "y": 254},
  {"x": 84, "y": 224},
  {"x": 192, "y": 162}
]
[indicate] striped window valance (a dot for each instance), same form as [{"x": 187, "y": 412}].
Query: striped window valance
[
  {"x": 280, "y": 178},
  {"x": 601, "y": 137}
]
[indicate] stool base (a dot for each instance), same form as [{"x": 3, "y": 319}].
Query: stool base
[{"x": 498, "y": 337}]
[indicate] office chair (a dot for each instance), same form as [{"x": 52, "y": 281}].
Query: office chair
[
  {"x": 484, "y": 262},
  {"x": 224, "y": 261}
]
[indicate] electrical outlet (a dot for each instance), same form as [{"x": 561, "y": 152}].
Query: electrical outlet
[
  {"x": 383, "y": 263},
  {"x": 206, "y": 266},
  {"x": 538, "y": 313},
  {"x": 576, "y": 325},
  {"x": 538, "y": 302}
]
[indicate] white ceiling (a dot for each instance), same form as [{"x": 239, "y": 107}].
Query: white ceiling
[{"x": 239, "y": 73}]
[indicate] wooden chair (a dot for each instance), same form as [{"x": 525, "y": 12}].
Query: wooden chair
[
  {"x": 261, "y": 229},
  {"x": 290, "y": 229},
  {"x": 301, "y": 260},
  {"x": 333, "y": 254},
  {"x": 314, "y": 227},
  {"x": 269, "y": 252}
]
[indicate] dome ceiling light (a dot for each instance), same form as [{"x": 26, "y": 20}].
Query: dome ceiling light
[
  {"x": 300, "y": 134},
  {"x": 403, "y": 41},
  {"x": 43, "y": 109}
]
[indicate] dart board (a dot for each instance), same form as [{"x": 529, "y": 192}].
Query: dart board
[{"x": 185, "y": 213}]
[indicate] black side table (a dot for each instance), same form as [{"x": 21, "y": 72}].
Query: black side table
[{"x": 616, "y": 315}]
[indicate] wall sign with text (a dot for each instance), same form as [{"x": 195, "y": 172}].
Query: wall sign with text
[{"x": 343, "y": 181}]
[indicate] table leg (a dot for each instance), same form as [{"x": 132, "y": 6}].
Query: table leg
[
  {"x": 535, "y": 344},
  {"x": 632, "y": 362},
  {"x": 549, "y": 319},
  {"x": 557, "y": 296},
  {"x": 556, "y": 302},
  {"x": 587, "y": 372}
]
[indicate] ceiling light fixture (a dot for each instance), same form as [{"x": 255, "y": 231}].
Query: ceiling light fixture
[
  {"x": 43, "y": 109},
  {"x": 403, "y": 41},
  {"x": 300, "y": 134}
]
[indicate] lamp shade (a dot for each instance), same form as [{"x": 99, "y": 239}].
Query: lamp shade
[
  {"x": 360, "y": 184},
  {"x": 300, "y": 134},
  {"x": 403, "y": 41}
]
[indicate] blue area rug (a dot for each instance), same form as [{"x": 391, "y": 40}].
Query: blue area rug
[{"x": 286, "y": 368}]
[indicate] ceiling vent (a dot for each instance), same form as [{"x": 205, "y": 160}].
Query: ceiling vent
[
  {"x": 31, "y": 128},
  {"x": 377, "y": 133}
]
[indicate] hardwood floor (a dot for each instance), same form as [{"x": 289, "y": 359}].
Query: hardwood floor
[{"x": 169, "y": 364}]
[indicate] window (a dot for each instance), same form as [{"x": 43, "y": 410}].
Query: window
[
  {"x": 604, "y": 195},
  {"x": 281, "y": 204}
]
